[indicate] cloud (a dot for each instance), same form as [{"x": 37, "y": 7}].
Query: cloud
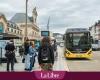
[
  {"x": 69, "y": 13},
  {"x": 10, "y": 7},
  {"x": 4, "y": 7},
  {"x": 63, "y": 14}
]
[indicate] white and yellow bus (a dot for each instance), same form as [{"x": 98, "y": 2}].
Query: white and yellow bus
[{"x": 77, "y": 43}]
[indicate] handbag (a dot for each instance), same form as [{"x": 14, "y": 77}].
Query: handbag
[{"x": 9, "y": 54}]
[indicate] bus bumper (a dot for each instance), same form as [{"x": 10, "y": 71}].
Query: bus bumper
[
  {"x": 69, "y": 54},
  {"x": 83, "y": 55}
]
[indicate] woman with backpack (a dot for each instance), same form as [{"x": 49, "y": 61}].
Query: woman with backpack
[{"x": 46, "y": 54}]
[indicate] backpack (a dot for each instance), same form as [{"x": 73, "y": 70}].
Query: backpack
[{"x": 45, "y": 54}]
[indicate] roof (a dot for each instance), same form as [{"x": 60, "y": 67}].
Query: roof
[
  {"x": 71, "y": 30},
  {"x": 20, "y": 18}
]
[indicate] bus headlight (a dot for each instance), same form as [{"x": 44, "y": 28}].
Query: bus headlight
[
  {"x": 66, "y": 52},
  {"x": 89, "y": 52}
]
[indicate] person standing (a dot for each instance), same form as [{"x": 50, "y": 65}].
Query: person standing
[
  {"x": 37, "y": 46},
  {"x": 10, "y": 55},
  {"x": 54, "y": 46},
  {"x": 46, "y": 54},
  {"x": 32, "y": 53},
  {"x": 21, "y": 51},
  {"x": 26, "y": 55}
]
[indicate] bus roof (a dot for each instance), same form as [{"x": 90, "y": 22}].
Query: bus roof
[{"x": 76, "y": 30}]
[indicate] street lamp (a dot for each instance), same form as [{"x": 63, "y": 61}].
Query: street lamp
[
  {"x": 26, "y": 21},
  {"x": 48, "y": 23}
]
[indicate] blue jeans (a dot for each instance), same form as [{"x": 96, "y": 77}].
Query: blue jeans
[{"x": 32, "y": 61}]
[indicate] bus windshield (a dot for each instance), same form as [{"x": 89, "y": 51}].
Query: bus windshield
[{"x": 78, "y": 40}]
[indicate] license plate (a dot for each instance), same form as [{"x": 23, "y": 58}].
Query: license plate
[{"x": 78, "y": 55}]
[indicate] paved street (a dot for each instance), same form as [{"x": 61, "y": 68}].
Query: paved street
[
  {"x": 63, "y": 64},
  {"x": 85, "y": 65},
  {"x": 82, "y": 64}
]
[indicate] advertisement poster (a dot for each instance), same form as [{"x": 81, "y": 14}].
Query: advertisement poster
[{"x": 49, "y": 39}]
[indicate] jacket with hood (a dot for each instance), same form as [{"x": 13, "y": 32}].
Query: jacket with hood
[{"x": 10, "y": 46}]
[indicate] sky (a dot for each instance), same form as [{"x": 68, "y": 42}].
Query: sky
[{"x": 63, "y": 13}]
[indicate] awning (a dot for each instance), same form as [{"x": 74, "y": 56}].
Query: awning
[{"x": 6, "y": 36}]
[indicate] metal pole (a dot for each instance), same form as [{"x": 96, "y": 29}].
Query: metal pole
[
  {"x": 48, "y": 23},
  {"x": 0, "y": 56},
  {"x": 26, "y": 21}
]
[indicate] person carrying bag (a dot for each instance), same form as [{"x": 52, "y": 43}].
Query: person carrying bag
[
  {"x": 10, "y": 54},
  {"x": 46, "y": 55}
]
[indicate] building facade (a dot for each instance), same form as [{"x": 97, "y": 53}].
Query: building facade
[
  {"x": 95, "y": 31},
  {"x": 8, "y": 29},
  {"x": 3, "y": 23},
  {"x": 58, "y": 37},
  {"x": 33, "y": 31}
]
